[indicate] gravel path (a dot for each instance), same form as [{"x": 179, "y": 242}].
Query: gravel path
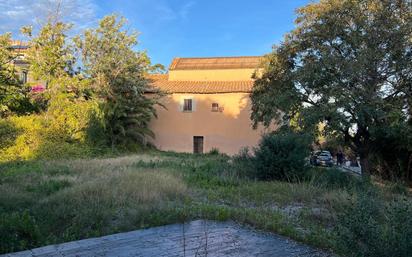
[{"x": 198, "y": 238}]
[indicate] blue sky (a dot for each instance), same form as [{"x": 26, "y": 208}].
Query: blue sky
[{"x": 175, "y": 28}]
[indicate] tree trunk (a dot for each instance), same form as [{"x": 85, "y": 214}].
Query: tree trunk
[{"x": 364, "y": 161}]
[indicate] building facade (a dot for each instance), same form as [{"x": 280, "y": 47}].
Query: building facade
[
  {"x": 208, "y": 105},
  {"x": 19, "y": 62}
]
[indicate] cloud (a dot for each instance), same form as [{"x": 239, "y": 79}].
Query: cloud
[
  {"x": 185, "y": 9},
  {"x": 165, "y": 12},
  {"x": 17, "y": 13}
]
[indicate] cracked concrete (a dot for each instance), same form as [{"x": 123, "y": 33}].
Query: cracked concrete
[{"x": 198, "y": 238}]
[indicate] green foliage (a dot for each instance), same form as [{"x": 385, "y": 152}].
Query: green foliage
[
  {"x": 281, "y": 156},
  {"x": 332, "y": 178},
  {"x": 49, "y": 187},
  {"x": 18, "y": 231},
  {"x": 392, "y": 151},
  {"x": 67, "y": 130},
  {"x": 78, "y": 114},
  {"x": 214, "y": 151},
  {"x": 8, "y": 134},
  {"x": 118, "y": 74},
  {"x": 49, "y": 55},
  {"x": 338, "y": 68},
  {"x": 369, "y": 227},
  {"x": 244, "y": 163}
]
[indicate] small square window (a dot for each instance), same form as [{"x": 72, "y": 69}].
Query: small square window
[
  {"x": 187, "y": 105},
  {"x": 215, "y": 107}
]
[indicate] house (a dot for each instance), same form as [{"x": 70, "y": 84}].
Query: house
[
  {"x": 208, "y": 105},
  {"x": 19, "y": 62}
]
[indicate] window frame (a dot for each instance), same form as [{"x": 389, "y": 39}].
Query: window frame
[
  {"x": 215, "y": 107},
  {"x": 185, "y": 107},
  {"x": 24, "y": 76}
]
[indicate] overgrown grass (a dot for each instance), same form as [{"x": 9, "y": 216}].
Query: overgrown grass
[{"x": 44, "y": 202}]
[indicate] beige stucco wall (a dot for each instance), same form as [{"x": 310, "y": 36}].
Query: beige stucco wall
[
  {"x": 211, "y": 75},
  {"x": 228, "y": 131}
]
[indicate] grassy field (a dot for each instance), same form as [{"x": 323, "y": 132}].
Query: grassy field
[{"x": 45, "y": 202}]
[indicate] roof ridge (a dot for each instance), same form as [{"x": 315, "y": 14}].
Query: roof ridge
[
  {"x": 217, "y": 57},
  {"x": 211, "y": 63}
]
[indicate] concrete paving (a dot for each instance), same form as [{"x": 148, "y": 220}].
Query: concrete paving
[{"x": 198, "y": 238}]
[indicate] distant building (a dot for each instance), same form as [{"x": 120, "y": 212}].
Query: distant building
[
  {"x": 22, "y": 66},
  {"x": 208, "y": 106}
]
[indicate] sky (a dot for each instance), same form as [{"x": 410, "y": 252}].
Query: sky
[{"x": 173, "y": 28}]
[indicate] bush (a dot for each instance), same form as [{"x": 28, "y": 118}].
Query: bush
[
  {"x": 63, "y": 131},
  {"x": 281, "y": 156},
  {"x": 18, "y": 232},
  {"x": 244, "y": 164},
  {"x": 368, "y": 227}
]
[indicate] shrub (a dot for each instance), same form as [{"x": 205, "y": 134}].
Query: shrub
[
  {"x": 64, "y": 131},
  {"x": 398, "y": 230},
  {"x": 244, "y": 164},
  {"x": 19, "y": 231},
  {"x": 368, "y": 227},
  {"x": 281, "y": 156}
]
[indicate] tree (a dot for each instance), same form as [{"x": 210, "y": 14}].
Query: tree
[
  {"x": 51, "y": 62},
  {"x": 348, "y": 64},
  {"x": 50, "y": 56},
  {"x": 118, "y": 75}
]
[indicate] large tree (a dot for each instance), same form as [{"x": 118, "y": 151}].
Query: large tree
[
  {"x": 118, "y": 75},
  {"x": 348, "y": 65}
]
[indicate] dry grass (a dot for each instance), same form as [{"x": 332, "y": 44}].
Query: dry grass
[
  {"x": 123, "y": 187},
  {"x": 77, "y": 199}
]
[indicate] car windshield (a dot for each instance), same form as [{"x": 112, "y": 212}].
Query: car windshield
[{"x": 325, "y": 156}]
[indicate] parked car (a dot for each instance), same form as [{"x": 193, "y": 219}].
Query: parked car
[
  {"x": 314, "y": 158},
  {"x": 325, "y": 159},
  {"x": 321, "y": 158}
]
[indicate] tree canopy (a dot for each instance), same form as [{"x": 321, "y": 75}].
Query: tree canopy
[
  {"x": 109, "y": 81},
  {"x": 348, "y": 65},
  {"x": 118, "y": 74}
]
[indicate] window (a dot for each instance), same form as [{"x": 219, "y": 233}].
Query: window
[
  {"x": 187, "y": 105},
  {"x": 197, "y": 144},
  {"x": 215, "y": 107}
]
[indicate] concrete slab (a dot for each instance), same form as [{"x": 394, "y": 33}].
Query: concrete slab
[{"x": 197, "y": 238}]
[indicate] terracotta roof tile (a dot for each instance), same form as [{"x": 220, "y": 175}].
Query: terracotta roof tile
[
  {"x": 200, "y": 87},
  {"x": 241, "y": 62}
]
